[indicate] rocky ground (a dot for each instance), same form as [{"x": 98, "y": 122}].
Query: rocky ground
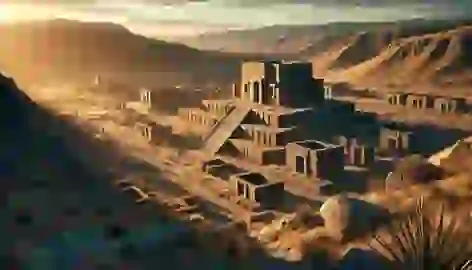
[{"x": 333, "y": 232}]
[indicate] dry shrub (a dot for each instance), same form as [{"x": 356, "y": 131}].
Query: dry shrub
[{"x": 426, "y": 240}]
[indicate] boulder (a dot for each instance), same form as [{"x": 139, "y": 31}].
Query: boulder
[
  {"x": 346, "y": 218},
  {"x": 412, "y": 170}
]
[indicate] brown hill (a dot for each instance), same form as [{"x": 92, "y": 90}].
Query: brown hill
[
  {"x": 433, "y": 52},
  {"x": 438, "y": 58},
  {"x": 72, "y": 50},
  {"x": 306, "y": 40}
]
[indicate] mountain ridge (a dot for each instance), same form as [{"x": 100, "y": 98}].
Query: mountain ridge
[
  {"x": 306, "y": 39},
  {"x": 72, "y": 50}
]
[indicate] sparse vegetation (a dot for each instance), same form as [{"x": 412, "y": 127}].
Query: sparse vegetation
[{"x": 427, "y": 240}]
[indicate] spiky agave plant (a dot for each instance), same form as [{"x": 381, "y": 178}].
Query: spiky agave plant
[{"x": 418, "y": 244}]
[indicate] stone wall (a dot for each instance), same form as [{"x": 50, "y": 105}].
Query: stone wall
[
  {"x": 217, "y": 108},
  {"x": 449, "y": 105},
  {"x": 395, "y": 141},
  {"x": 254, "y": 187},
  {"x": 423, "y": 101},
  {"x": 280, "y": 83},
  {"x": 198, "y": 117},
  {"x": 270, "y": 195},
  {"x": 420, "y": 102},
  {"x": 315, "y": 159},
  {"x": 355, "y": 152},
  {"x": 268, "y": 137},
  {"x": 260, "y": 154},
  {"x": 397, "y": 99}
]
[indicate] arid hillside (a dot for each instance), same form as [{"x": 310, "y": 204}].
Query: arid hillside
[
  {"x": 76, "y": 51},
  {"x": 436, "y": 54},
  {"x": 56, "y": 207},
  {"x": 441, "y": 59},
  {"x": 306, "y": 40}
]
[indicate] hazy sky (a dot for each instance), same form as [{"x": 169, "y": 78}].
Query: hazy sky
[{"x": 184, "y": 17}]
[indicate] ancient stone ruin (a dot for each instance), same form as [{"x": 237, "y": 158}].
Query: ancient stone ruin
[
  {"x": 425, "y": 101},
  {"x": 315, "y": 159},
  {"x": 273, "y": 105},
  {"x": 258, "y": 190},
  {"x": 396, "y": 140},
  {"x": 145, "y": 97},
  {"x": 356, "y": 152}
]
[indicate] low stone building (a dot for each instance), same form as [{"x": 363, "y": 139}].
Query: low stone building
[
  {"x": 145, "y": 129},
  {"x": 396, "y": 140},
  {"x": 273, "y": 103},
  {"x": 424, "y": 101},
  {"x": 257, "y": 189},
  {"x": 145, "y": 97},
  {"x": 419, "y": 101},
  {"x": 153, "y": 132},
  {"x": 450, "y": 105},
  {"x": 397, "y": 98},
  {"x": 221, "y": 169},
  {"x": 198, "y": 117},
  {"x": 355, "y": 152},
  {"x": 315, "y": 159}
]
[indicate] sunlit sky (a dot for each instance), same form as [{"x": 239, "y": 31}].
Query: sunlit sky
[{"x": 186, "y": 17}]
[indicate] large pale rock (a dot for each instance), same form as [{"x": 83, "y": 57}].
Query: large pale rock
[{"x": 346, "y": 218}]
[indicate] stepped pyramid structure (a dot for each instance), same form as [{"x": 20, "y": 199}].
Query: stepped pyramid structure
[{"x": 274, "y": 104}]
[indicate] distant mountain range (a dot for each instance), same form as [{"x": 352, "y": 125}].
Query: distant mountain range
[
  {"x": 390, "y": 53},
  {"x": 70, "y": 50},
  {"x": 399, "y": 54},
  {"x": 307, "y": 39}
]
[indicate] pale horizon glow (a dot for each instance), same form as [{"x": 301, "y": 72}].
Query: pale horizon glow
[{"x": 192, "y": 18}]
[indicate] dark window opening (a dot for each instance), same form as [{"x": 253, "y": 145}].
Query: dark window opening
[
  {"x": 392, "y": 144},
  {"x": 115, "y": 231},
  {"x": 24, "y": 219},
  {"x": 300, "y": 164}
]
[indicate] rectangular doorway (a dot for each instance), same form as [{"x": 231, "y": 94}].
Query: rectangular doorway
[
  {"x": 392, "y": 144},
  {"x": 300, "y": 163},
  {"x": 241, "y": 189}
]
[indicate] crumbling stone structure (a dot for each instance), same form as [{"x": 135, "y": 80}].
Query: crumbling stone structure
[
  {"x": 423, "y": 101},
  {"x": 315, "y": 159},
  {"x": 328, "y": 93},
  {"x": 396, "y": 140},
  {"x": 450, "y": 105},
  {"x": 397, "y": 98},
  {"x": 257, "y": 189},
  {"x": 419, "y": 101},
  {"x": 145, "y": 97},
  {"x": 355, "y": 152},
  {"x": 207, "y": 116},
  {"x": 152, "y": 132},
  {"x": 198, "y": 117},
  {"x": 288, "y": 84},
  {"x": 145, "y": 130},
  {"x": 221, "y": 169},
  {"x": 272, "y": 105}
]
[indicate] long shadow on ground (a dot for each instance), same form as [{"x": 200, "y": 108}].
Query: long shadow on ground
[{"x": 43, "y": 169}]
